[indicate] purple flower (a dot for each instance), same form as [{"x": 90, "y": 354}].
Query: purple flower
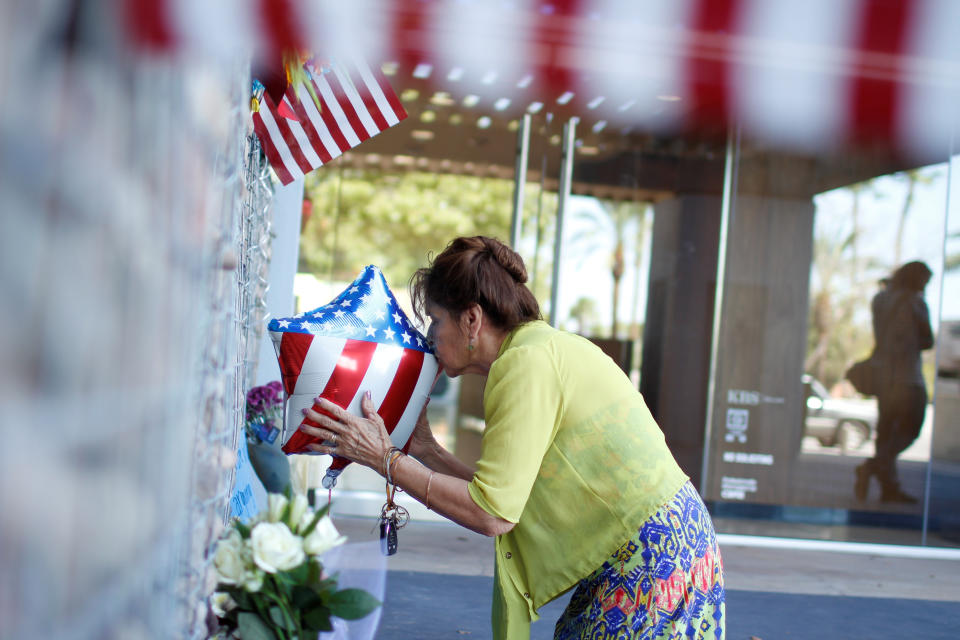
[{"x": 265, "y": 403}]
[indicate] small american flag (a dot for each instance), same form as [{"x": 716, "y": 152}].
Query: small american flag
[
  {"x": 356, "y": 103},
  {"x": 360, "y": 341}
]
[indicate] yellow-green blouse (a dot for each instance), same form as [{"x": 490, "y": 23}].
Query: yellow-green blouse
[{"x": 570, "y": 454}]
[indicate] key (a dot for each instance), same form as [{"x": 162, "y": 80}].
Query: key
[{"x": 388, "y": 535}]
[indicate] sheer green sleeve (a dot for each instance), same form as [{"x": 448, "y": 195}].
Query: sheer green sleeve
[{"x": 522, "y": 402}]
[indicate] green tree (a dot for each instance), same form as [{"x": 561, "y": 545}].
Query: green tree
[
  {"x": 839, "y": 327},
  {"x": 395, "y": 220},
  {"x": 584, "y": 312},
  {"x": 644, "y": 221},
  {"x": 912, "y": 177},
  {"x": 398, "y": 220},
  {"x": 615, "y": 222},
  {"x": 952, "y": 260},
  {"x": 834, "y": 339}
]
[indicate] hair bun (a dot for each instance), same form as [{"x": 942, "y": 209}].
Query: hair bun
[
  {"x": 507, "y": 258},
  {"x": 476, "y": 270}
]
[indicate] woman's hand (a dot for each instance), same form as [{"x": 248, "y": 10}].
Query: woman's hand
[
  {"x": 363, "y": 440},
  {"x": 422, "y": 441}
]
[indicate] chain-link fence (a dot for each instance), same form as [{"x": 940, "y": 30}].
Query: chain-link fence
[{"x": 134, "y": 217}]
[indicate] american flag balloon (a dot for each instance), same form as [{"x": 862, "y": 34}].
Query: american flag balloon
[{"x": 360, "y": 341}]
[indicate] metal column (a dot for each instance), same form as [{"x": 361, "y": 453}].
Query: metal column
[
  {"x": 563, "y": 194},
  {"x": 520, "y": 180},
  {"x": 726, "y": 212}
]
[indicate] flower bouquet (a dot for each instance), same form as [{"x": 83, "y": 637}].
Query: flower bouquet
[
  {"x": 264, "y": 412},
  {"x": 271, "y": 584}
]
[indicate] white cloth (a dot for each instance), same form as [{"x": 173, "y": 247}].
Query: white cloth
[{"x": 361, "y": 566}]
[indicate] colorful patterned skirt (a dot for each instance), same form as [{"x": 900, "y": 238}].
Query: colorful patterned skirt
[{"x": 665, "y": 582}]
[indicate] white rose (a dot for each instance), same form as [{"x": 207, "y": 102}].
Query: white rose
[
  {"x": 221, "y": 602},
  {"x": 228, "y": 558},
  {"x": 253, "y": 580},
  {"x": 275, "y": 548},
  {"x": 276, "y": 503},
  {"x": 305, "y": 520},
  {"x": 299, "y": 508},
  {"x": 323, "y": 537}
]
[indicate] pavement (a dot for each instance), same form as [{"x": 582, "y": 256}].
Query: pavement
[{"x": 438, "y": 586}]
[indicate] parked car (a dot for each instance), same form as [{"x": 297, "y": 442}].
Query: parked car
[{"x": 847, "y": 423}]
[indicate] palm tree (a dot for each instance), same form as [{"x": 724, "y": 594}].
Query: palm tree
[
  {"x": 643, "y": 226},
  {"x": 584, "y": 311},
  {"x": 614, "y": 222}
]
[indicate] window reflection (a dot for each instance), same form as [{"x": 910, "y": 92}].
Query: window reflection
[
  {"x": 944, "y": 489},
  {"x": 810, "y": 244}
]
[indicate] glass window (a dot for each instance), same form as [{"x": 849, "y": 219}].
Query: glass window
[
  {"x": 807, "y": 288},
  {"x": 943, "y": 524}
]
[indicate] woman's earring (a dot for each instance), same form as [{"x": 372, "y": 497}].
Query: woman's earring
[{"x": 470, "y": 346}]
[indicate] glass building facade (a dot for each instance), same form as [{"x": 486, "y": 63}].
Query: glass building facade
[
  {"x": 730, "y": 274},
  {"x": 804, "y": 245},
  {"x": 747, "y": 274}
]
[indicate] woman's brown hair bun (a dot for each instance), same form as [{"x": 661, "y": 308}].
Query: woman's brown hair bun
[
  {"x": 476, "y": 270},
  {"x": 507, "y": 258}
]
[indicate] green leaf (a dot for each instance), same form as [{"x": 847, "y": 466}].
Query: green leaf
[
  {"x": 282, "y": 577},
  {"x": 242, "y": 528},
  {"x": 251, "y": 627},
  {"x": 279, "y": 586},
  {"x": 352, "y": 604},
  {"x": 316, "y": 518},
  {"x": 324, "y": 510},
  {"x": 299, "y": 574},
  {"x": 304, "y": 598},
  {"x": 277, "y": 617},
  {"x": 313, "y": 573},
  {"x": 326, "y": 588},
  {"x": 241, "y": 597},
  {"x": 319, "y": 619}
]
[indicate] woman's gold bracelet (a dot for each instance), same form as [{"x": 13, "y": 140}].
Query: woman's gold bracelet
[
  {"x": 387, "y": 461},
  {"x": 426, "y": 499}
]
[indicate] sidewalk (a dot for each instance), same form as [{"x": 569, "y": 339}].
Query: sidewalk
[{"x": 440, "y": 581}]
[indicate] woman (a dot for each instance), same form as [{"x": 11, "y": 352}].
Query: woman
[
  {"x": 901, "y": 330},
  {"x": 574, "y": 478}
]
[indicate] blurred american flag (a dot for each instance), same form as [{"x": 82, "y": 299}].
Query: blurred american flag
[
  {"x": 803, "y": 75},
  {"x": 356, "y": 103}
]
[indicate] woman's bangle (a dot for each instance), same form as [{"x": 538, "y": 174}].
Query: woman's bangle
[
  {"x": 426, "y": 499},
  {"x": 387, "y": 462},
  {"x": 393, "y": 460}
]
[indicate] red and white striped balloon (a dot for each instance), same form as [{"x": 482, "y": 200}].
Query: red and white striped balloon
[{"x": 360, "y": 341}]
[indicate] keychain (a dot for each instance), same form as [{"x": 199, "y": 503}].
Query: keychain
[
  {"x": 391, "y": 519},
  {"x": 392, "y": 515}
]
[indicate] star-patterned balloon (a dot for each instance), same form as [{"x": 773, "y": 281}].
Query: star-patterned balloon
[{"x": 359, "y": 341}]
